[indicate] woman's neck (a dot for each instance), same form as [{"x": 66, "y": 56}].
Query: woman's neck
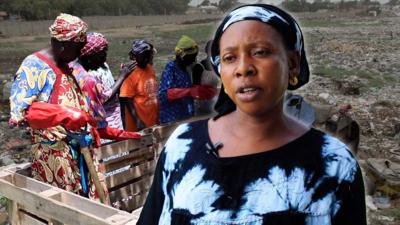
[
  {"x": 180, "y": 64},
  {"x": 49, "y": 54},
  {"x": 266, "y": 125},
  {"x": 243, "y": 134}
]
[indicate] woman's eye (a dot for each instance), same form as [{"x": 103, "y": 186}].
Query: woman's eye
[
  {"x": 228, "y": 58},
  {"x": 261, "y": 52}
]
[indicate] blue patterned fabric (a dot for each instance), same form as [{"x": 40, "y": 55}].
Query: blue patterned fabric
[
  {"x": 174, "y": 77},
  {"x": 313, "y": 180},
  {"x": 33, "y": 82},
  {"x": 140, "y": 46}
]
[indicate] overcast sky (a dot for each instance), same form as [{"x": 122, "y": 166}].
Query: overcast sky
[{"x": 275, "y": 2}]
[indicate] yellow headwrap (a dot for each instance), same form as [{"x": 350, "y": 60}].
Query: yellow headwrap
[{"x": 186, "y": 46}]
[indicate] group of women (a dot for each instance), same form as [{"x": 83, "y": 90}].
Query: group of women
[
  {"x": 72, "y": 77},
  {"x": 249, "y": 164}
]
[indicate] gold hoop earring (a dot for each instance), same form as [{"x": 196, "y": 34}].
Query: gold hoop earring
[
  {"x": 293, "y": 81},
  {"x": 225, "y": 91}
]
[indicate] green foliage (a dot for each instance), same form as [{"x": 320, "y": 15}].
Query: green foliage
[
  {"x": 49, "y": 9},
  {"x": 4, "y": 202}
]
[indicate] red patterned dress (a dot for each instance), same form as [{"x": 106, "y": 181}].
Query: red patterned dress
[{"x": 38, "y": 79}]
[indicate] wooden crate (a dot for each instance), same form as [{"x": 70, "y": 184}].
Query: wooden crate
[
  {"x": 129, "y": 166},
  {"x": 37, "y": 203}
]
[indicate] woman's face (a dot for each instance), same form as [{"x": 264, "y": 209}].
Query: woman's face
[
  {"x": 66, "y": 51},
  {"x": 144, "y": 58},
  {"x": 94, "y": 61},
  {"x": 189, "y": 59},
  {"x": 255, "y": 66}
]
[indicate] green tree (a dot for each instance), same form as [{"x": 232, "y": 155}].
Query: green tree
[
  {"x": 40, "y": 9},
  {"x": 49, "y": 9}
]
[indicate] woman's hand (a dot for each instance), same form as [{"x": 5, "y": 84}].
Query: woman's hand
[{"x": 126, "y": 69}]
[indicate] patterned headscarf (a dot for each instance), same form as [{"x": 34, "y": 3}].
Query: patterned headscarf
[
  {"x": 68, "y": 28},
  {"x": 285, "y": 24},
  {"x": 95, "y": 43},
  {"x": 140, "y": 46},
  {"x": 186, "y": 46}
]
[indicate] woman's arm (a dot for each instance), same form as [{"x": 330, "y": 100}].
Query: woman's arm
[
  {"x": 166, "y": 82},
  {"x": 123, "y": 74},
  {"x": 128, "y": 102},
  {"x": 352, "y": 207},
  {"x": 28, "y": 84}
]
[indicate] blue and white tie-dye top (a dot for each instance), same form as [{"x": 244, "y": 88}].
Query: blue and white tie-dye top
[{"x": 312, "y": 180}]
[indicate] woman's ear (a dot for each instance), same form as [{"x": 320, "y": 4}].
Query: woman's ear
[{"x": 294, "y": 63}]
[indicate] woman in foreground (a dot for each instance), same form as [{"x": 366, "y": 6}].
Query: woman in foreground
[{"x": 252, "y": 163}]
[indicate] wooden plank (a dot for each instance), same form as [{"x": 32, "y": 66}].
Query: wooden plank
[
  {"x": 16, "y": 167},
  {"x": 121, "y": 218},
  {"x": 3, "y": 217},
  {"x": 26, "y": 219},
  {"x": 38, "y": 215},
  {"x": 13, "y": 213},
  {"x": 136, "y": 212},
  {"x": 133, "y": 173},
  {"x": 158, "y": 147},
  {"x": 131, "y": 190},
  {"x": 64, "y": 212},
  {"x": 7, "y": 176},
  {"x": 123, "y": 146},
  {"x": 53, "y": 193},
  {"x": 135, "y": 203},
  {"x": 90, "y": 207},
  {"x": 54, "y": 222},
  {"x": 134, "y": 157},
  {"x": 131, "y": 154},
  {"x": 31, "y": 184},
  {"x": 162, "y": 132}
]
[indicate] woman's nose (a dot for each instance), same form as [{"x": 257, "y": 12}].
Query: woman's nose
[{"x": 245, "y": 67}]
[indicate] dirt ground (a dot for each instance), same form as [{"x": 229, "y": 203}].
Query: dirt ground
[{"x": 355, "y": 60}]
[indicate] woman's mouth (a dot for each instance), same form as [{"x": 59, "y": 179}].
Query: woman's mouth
[{"x": 247, "y": 94}]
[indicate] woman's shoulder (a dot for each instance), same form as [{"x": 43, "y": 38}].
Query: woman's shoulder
[
  {"x": 184, "y": 135},
  {"x": 183, "y": 140},
  {"x": 33, "y": 61},
  {"x": 33, "y": 66},
  {"x": 170, "y": 64},
  {"x": 331, "y": 145},
  {"x": 338, "y": 159}
]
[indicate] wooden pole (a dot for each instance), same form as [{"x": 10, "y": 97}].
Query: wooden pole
[{"x": 93, "y": 173}]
